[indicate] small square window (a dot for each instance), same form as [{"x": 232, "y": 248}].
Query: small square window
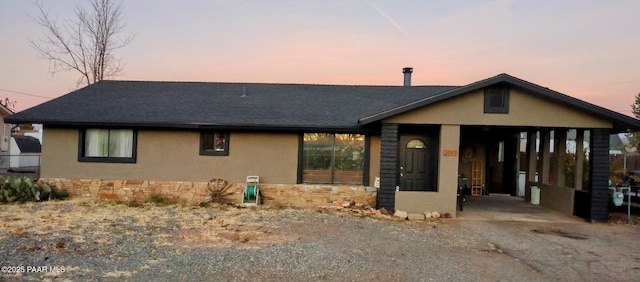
[
  {"x": 496, "y": 100},
  {"x": 214, "y": 143}
]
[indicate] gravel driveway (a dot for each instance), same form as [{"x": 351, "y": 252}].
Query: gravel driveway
[{"x": 75, "y": 240}]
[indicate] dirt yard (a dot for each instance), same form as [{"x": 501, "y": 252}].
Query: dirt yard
[{"x": 80, "y": 240}]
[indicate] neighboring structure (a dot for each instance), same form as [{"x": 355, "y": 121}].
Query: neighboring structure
[
  {"x": 319, "y": 144},
  {"x": 5, "y": 137},
  {"x": 25, "y": 153}
]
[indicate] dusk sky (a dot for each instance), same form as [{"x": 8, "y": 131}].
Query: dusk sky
[{"x": 586, "y": 49}]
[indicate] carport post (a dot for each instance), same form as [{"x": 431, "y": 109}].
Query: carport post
[
  {"x": 599, "y": 175},
  {"x": 532, "y": 165},
  {"x": 560, "y": 143},
  {"x": 388, "y": 166},
  {"x": 579, "y": 159}
]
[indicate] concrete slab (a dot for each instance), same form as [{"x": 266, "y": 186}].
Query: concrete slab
[{"x": 499, "y": 207}]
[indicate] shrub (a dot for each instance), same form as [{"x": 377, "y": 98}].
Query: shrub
[
  {"x": 21, "y": 190},
  {"x": 160, "y": 200}
]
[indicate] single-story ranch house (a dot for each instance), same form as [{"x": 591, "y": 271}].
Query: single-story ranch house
[{"x": 398, "y": 147}]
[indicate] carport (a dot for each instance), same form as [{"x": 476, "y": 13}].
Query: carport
[
  {"x": 492, "y": 131},
  {"x": 553, "y": 161}
]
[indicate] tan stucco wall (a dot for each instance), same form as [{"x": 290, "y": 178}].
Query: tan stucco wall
[
  {"x": 524, "y": 110},
  {"x": 557, "y": 198},
  {"x": 444, "y": 200},
  {"x": 174, "y": 155}
]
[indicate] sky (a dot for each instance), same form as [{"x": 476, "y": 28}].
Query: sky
[{"x": 586, "y": 49}]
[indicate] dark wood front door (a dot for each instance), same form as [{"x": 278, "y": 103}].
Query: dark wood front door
[{"x": 416, "y": 164}]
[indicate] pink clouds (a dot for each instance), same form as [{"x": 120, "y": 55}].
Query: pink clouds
[{"x": 587, "y": 53}]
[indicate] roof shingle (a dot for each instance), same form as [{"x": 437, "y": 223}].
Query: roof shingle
[{"x": 198, "y": 104}]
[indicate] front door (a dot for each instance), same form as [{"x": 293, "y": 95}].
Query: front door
[{"x": 416, "y": 164}]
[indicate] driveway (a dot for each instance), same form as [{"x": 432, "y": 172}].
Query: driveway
[{"x": 115, "y": 242}]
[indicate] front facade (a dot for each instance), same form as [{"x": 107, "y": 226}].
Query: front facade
[{"x": 398, "y": 147}]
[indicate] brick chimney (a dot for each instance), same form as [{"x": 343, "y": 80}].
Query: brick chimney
[{"x": 407, "y": 76}]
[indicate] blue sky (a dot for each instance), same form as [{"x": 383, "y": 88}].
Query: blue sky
[{"x": 586, "y": 49}]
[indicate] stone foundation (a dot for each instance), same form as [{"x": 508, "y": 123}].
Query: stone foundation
[{"x": 301, "y": 195}]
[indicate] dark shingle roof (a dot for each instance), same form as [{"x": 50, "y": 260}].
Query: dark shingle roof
[
  {"x": 264, "y": 105},
  {"x": 195, "y": 104},
  {"x": 27, "y": 144}
]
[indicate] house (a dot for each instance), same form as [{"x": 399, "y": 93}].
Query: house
[
  {"x": 398, "y": 147},
  {"x": 5, "y": 136},
  {"x": 5, "y": 129}
]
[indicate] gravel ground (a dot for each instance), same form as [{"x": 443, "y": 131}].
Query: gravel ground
[{"x": 102, "y": 241}]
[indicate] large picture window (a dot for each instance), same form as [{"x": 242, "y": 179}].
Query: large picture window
[
  {"x": 107, "y": 145},
  {"x": 333, "y": 158}
]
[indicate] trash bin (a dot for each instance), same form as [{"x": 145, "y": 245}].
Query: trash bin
[{"x": 535, "y": 195}]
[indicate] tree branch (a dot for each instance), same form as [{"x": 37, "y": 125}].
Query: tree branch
[{"x": 86, "y": 45}]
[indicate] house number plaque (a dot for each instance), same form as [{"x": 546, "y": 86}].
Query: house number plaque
[{"x": 450, "y": 153}]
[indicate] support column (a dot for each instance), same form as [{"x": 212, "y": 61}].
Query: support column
[
  {"x": 560, "y": 143},
  {"x": 532, "y": 156},
  {"x": 599, "y": 175},
  {"x": 579, "y": 159},
  {"x": 545, "y": 156},
  {"x": 388, "y": 166},
  {"x": 448, "y": 165}
]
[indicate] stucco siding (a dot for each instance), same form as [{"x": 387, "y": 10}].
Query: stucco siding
[
  {"x": 525, "y": 109},
  {"x": 174, "y": 155},
  {"x": 557, "y": 198},
  {"x": 444, "y": 200}
]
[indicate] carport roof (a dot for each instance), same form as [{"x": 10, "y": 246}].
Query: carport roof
[{"x": 621, "y": 122}]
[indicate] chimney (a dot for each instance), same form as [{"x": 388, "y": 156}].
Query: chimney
[{"x": 407, "y": 76}]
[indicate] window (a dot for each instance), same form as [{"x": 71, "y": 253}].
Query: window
[
  {"x": 214, "y": 143},
  {"x": 333, "y": 158},
  {"x": 496, "y": 100},
  {"x": 107, "y": 145},
  {"x": 415, "y": 144}
]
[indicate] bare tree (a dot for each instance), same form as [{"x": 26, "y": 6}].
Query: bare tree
[
  {"x": 11, "y": 105},
  {"x": 86, "y": 44}
]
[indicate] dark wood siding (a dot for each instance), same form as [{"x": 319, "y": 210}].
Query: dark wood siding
[
  {"x": 388, "y": 166},
  {"x": 599, "y": 175}
]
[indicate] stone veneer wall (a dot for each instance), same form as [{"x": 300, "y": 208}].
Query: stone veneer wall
[{"x": 301, "y": 195}]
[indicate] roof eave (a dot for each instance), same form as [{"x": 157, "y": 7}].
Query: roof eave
[{"x": 200, "y": 126}]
